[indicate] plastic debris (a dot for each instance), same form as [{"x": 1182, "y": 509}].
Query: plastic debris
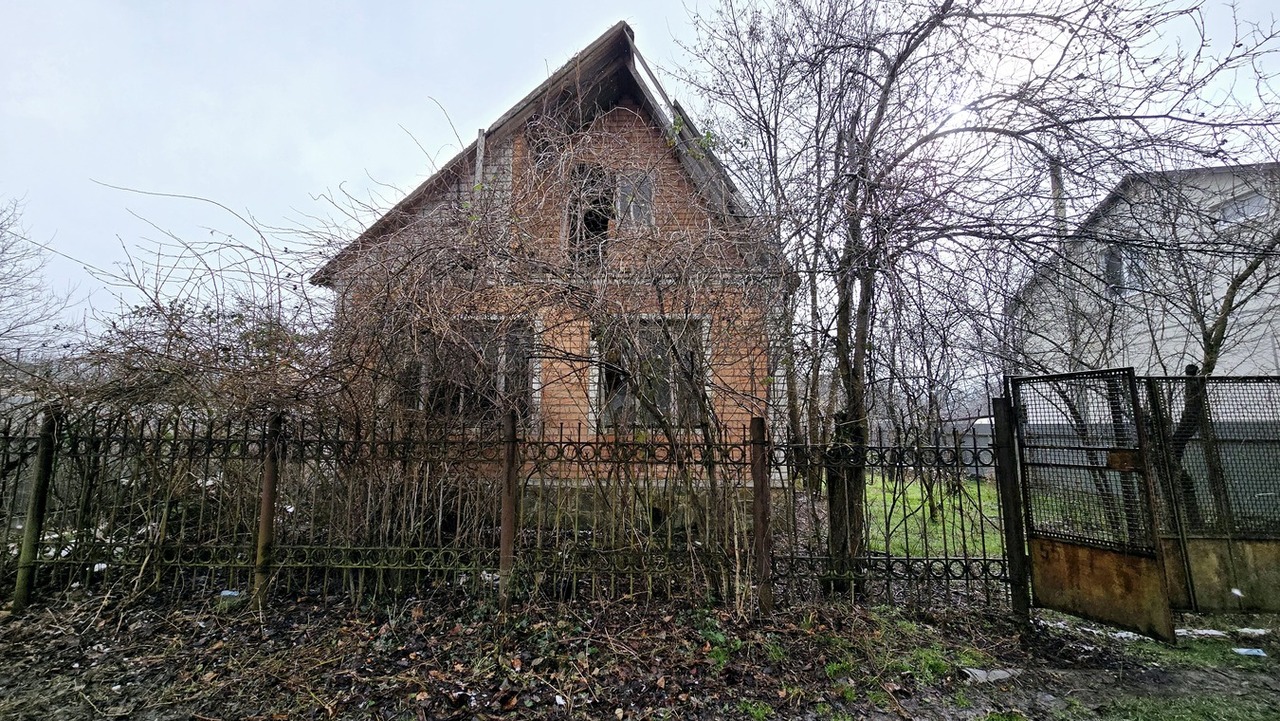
[
  {"x": 1237, "y": 593},
  {"x": 1125, "y": 636},
  {"x": 1252, "y": 632},
  {"x": 1200, "y": 633},
  {"x": 977, "y": 675},
  {"x": 1251, "y": 652},
  {"x": 229, "y": 594}
]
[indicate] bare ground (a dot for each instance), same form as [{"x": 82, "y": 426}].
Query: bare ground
[{"x": 451, "y": 657}]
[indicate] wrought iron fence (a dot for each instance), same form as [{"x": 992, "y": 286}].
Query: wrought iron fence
[{"x": 174, "y": 499}]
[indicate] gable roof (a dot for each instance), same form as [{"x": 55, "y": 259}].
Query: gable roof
[
  {"x": 1119, "y": 194},
  {"x": 1166, "y": 178},
  {"x": 598, "y": 74}
]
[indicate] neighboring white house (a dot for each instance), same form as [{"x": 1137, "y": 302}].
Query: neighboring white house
[{"x": 1172, "y": 269}]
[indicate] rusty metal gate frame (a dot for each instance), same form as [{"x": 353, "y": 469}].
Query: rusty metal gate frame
[{"x": 1089, "y": 499}]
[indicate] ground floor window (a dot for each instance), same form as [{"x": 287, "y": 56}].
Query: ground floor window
[
  {"x": 651, "y": 373},
  {"x": 476, "y": 372}
]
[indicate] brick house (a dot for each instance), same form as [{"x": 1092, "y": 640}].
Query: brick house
[{"x": 585, "y": 262}]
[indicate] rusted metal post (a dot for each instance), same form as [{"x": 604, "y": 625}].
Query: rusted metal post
[
  {"x": 507, "y": 537},
  {"x": 1011, "y": 511},
  {"x": 760, "y": 505},
  {"x": 37, "y": 505},
  {"x": 267, "y": 509}
]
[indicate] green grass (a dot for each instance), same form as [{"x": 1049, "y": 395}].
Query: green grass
[
  {"x": 1200, "y": 708},
  {"x": 1201, "y": 653},
  {"x": 905, "y": 517},
  {"x": 755, "y": 710}
]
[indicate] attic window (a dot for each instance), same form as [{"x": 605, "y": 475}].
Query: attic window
[
  {"x": 1245, "y": 207},
  {"x": 635, "y": 199},
  {"x": 591, "y": 208}
]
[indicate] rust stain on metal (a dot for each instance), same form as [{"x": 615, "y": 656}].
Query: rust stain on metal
[
  {"x": 1122, "y": 589},
  {"x": 1121, "y": 459},
  {"x": 1227, "y": 575}
]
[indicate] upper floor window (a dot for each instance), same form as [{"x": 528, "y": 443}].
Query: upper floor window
[
  {"x": 1124, "y": 269},
  {"x": 652, "y": 373},
  {"x": 635, "y": 199},
  {"x": 591, "y": 208},
  {"x": 1249, "y": 206},
  {"x": 599, "y": 198},
  {"x": 477, "y": 373}
]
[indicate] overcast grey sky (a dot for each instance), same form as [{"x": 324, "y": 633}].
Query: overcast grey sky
[
  {"x": 263, "y": 105},
  {"x": 258, "y": 105}
]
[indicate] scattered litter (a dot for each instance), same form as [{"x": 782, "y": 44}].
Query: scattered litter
[
  {"x": 1237, "y": 593},
  {"x": 560, "y": 700},
  {"x": 99, "y": 567},
  {"x": 1251, "y": 652},
  {"x": 230, "y": 594},
  {"x": 1200, "y": 633},
  {"x": 1125, "y": 636},
  {"x": 977, "y": 675},
  {"x": 1252, "y": 632}
]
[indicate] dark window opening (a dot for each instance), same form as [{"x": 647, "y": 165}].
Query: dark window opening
[
  {"x": 479, "y": 372},
  {"x": 1123, "y": 269},
  {"x": 591, "y": 209}
]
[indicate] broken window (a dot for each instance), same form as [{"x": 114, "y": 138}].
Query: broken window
[
  {"x": 591, "y": 208},
  {"x": 479, "y": 372},
  {"x": 651, "y": 372}
]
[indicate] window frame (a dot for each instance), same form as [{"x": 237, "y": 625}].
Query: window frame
[
  {"x": 477, "y": 406},
  {"x": 1240, "y": 202},
  {"x": 682, "y": 409}
]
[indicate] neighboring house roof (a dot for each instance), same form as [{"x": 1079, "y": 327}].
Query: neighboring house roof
[
  {"x": 1167, "y": 178},
  {"x": 599, "y": 73},
  {"x": 1124, "y": 190}
]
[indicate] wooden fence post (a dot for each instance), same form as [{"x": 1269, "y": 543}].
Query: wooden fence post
[
  {"x": 760, "y": 505},
  {"x": 507, "y": 535},
  {"x": 267, "y": 509},
  {"x": 1011, "y": 511},
  {"x": 37, "y": 505}
]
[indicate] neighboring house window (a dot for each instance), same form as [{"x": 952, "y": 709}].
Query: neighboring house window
[
  {"x": 635, "y": 199},
  {"x": 1124, "y": 269},
  {"x": 478, "y": 373},
  {"x": 1245, "y": 207},
  {"x": 651, "y": 371},
  {"x": 591, "y": 208}
]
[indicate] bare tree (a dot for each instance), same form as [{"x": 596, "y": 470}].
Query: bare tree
[
  {"x": 915, "y": 138},
  {"x": 28, "y": 308}
]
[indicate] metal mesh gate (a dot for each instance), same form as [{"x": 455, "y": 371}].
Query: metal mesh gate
[
  {"x": 1082, "y": 460},
  {"x": 1091, "y": 535}
]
